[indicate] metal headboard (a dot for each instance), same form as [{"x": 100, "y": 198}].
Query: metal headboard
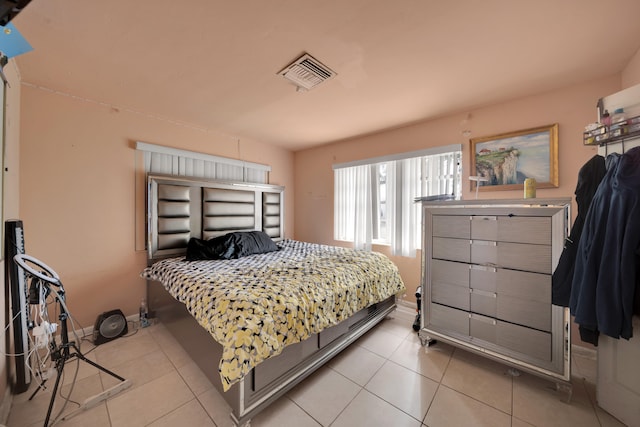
[{"x": 179, "y": 208}]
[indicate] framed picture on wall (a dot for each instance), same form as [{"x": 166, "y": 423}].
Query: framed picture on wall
[{"x": 503, "y": 162}]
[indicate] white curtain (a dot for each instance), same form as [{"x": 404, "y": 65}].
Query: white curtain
[
  {"x": 353, "y": 207},
  {"x": 403, "y": 186}
]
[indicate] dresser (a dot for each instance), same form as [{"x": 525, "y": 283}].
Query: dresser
[{"x": 486, "y": 281}]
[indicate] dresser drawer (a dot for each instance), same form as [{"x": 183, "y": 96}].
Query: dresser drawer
[
  {"x": 483, "y": 278},
  {"x": 515, "y": 310},
  {"x": 454, "y": 296},
  {"x": 520, "y": 284},
  {"x": 524, "y": 284},
  {"x": 484, "y": 302},
  {"x": 519, "y": 256},
  {"x": 517, "y": 229},
  {"x": 516, "y": 338},
  {"x": 451, "y": 249},
  {"x": 449, "y": 319},
  {"x": 524, "y": 312},
  {"x": 451, "y": 226},
  {"x": 451, "y": 273},
  {"x": 450, "y": 283},
  {"x": 484, "y": 328},
  {"x": 524, "y": 340}
]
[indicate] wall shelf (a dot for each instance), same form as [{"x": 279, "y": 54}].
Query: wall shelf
[{"x": 604, "y": 134}]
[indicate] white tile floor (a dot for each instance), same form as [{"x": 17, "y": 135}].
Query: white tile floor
[{"x": 385, "y": 379}]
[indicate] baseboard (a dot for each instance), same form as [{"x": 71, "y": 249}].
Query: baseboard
[
  {"x": 5, "y": 405},
  {"x": 586, "y": 352},
  {"x": 88, "y": 331},
  {"x": 409, "y": 305}
]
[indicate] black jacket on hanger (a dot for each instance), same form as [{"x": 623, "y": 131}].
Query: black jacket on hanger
[{"x": 589, "y": 177}]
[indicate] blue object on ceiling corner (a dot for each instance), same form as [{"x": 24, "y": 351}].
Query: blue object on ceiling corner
[{"x": 11, "y": 41}]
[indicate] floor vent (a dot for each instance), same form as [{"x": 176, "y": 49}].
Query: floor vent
[{"x": 307, "y": 72}]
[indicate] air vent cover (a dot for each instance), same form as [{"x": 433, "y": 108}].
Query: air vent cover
[{"x": 307, "y": 72}]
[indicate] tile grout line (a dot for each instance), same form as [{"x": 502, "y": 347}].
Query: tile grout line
[
  {"x": 363, "y": 387},
  {"x": 444, "y": 371},
  {"x": 177, "y": 371},
  {"x": 387, "y": 359}
]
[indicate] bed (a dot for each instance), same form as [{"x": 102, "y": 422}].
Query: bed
[{"x": 258, "y": 313}]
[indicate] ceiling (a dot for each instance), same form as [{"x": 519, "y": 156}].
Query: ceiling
[{"x": 213, "y": 64}]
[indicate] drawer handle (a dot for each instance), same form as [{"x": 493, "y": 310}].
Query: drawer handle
[
  {"x": 492, "y": 265},
  {"x": 483, "y": 293},
  {"x": 482, "y": 268},
  {"x": 487, "y": 218},
  {"x": 483, "y": 243}
]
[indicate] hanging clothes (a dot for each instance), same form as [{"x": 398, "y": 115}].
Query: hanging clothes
[
  {"x": 606, "y": 269},
  {"x": 589, "y": 178}
]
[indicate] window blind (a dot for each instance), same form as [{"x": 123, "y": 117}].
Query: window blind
[
  {"x": 173, "y": 161},
  {"x": 366, "y": 208}
]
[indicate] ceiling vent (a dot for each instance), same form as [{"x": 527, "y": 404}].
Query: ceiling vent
[{"x": 307, "y": 72}]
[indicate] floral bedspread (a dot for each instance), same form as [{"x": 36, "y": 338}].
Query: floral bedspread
[{"x": 257, "y": 305}]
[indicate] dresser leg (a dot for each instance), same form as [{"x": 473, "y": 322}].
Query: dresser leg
[
  {"x": 566, "y": 389},
  {"x": 425, "y": 339}
]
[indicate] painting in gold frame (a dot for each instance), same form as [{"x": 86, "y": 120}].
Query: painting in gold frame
[{"x": 504, "y": 161}]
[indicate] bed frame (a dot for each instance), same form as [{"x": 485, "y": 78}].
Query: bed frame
[{"x": 181, "y": 208}]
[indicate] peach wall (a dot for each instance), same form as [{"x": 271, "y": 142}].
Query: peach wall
[
  {"x": 10, "y": 198},
  {"x": 631, "y": 73},
  {"x": 572, "y": 108},
  {"x": 78, "y": 193}
]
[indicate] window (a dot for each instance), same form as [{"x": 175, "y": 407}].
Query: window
[{"x": 375, "y": 198}]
